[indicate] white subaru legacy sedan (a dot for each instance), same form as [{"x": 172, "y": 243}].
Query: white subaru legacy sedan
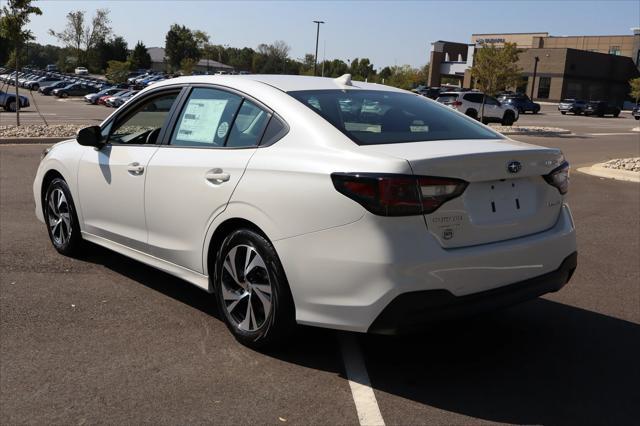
[{"x": 305, "y": 200}]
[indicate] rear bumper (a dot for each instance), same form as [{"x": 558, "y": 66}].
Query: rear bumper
[
  {"x": 346, "y": 277},
  {"x": 412, "y": 311}
]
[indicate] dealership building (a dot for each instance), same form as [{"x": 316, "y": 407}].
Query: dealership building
[{"x": 553, "y": 68}]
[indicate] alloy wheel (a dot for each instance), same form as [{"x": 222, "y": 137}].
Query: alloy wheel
[
  {"x": 59, "y": 217},
  {"x": 246, "y": 288}
]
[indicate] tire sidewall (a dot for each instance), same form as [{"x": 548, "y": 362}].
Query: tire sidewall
[
  {"x": 72, "y": 244},
  {"x": 282, "y": 315}
]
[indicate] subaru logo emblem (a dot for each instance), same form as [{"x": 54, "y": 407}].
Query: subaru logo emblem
[{"x": 514, "y": 166}]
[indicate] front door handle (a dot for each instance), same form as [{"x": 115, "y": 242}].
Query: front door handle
[
  {"x": 217, "y": 176},
  {"x": 135, "y": 168}
]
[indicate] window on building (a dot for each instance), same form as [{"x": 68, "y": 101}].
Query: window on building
[
  {"x": 544, "y": 84},
  {"x": 614, "y": 50}
]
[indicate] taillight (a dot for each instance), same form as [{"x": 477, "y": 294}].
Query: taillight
[
  {"x": 456, "y": 103},
  {"x": 397, "y": 195},
  {"x": 559, "y": 177}
]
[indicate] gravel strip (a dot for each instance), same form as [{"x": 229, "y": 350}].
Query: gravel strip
[
  {"x": 40, "y": 131},
  {"x": 628, "y": 164},
  {"x": 529, "y": 130}
]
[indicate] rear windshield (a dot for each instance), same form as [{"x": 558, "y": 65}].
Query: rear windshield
[{"x": 371, "y": 117}]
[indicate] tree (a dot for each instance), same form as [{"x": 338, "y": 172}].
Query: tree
[
  {"x": 635, "y": 88},
  {"x": 180, "y": 43},
  {"x": 495, "y": 68},
  {"x": 83, "y": 38},
  {"x": 117, "y": 71},
  {"x": 140, "y": 58},
  {"x": 14, "y": 18},
  {"x": 114, "y": 49},
  {"x": 187, "y": 65}
]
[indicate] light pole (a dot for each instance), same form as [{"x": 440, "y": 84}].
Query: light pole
[
  {"x": 535, "y": 71},
  {"x": 315, "y": 58}
]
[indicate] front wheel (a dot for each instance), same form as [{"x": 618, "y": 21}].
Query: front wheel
[
  {"x": 11, "y": 106},
  {"x": 563, "y": 112},
  {"x": 508, "y": 119},
  {"x": 252, "y": 290},
  {"x": 61, "y": 218}
]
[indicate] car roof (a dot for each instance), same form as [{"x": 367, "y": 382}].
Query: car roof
[{"x": 285, "y": 83}]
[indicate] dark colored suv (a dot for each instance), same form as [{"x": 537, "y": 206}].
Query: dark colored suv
[
  {"x": 521, "y": 102},
  {"x": 636, "y": 112},
  {"x": 601, "y": 108},
  {"x": 575, "y": 106}
]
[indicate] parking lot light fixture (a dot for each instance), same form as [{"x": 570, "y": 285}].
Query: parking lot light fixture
[{"x": 315, "y": 58}]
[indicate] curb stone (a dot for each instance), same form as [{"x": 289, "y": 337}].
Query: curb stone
[
  {"x": 605, "y": 172},
  {"x": 23, "y": 141}
]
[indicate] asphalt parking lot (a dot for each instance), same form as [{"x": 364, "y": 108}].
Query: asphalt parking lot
[{"x": 104, "y": 339}]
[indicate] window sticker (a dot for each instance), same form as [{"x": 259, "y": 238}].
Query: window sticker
[{"x": 200, "y": 120}]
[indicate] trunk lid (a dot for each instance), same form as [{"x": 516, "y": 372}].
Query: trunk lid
[{"x": 500, "y": 202}]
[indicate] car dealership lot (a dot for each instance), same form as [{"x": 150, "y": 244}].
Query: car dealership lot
[{"x": 106, "y": 339}]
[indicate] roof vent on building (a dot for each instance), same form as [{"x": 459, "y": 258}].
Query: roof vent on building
[{"x": 344, "y": 80}]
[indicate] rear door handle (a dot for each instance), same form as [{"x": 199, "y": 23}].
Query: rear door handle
[
  {"x": 217, "y": 176},
  {"x": 135, "y": 168}
]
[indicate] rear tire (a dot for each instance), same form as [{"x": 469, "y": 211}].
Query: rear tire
[
  {"x": 61, "y": 218},
  {"x": 472, "y": 113},
  {"x": 252, "y": 290},
  {"x": 616, "y": 114},
  {"x": 563, "y": 112}
]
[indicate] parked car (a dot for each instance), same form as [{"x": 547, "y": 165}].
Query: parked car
[
  {"x": 48, "y": 89},
  {"x": 521, "y": 102},
  {"x": 109, "y": 100},
  {"x": 374, "y": 222},
  {"x": 35, "y": 84},
  {"x": 75, "y": 89},
  {"x": 429, "y": 92},
  {"x": 9, "y": 103},
  {"x": 636, "y": 112},
  {"x": 601, "y": 108},
  {"x": 575, "y": 106},
  {"x": 93, "y": 98},
  {"x": 123, "y": 99},
  {"x": 52, "y": 67},
  {"x": 81, "y": 71},
  {"x": 470, "y": 104}
]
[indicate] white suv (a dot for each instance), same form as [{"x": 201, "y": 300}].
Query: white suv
[
  {"x": 81, "y": 71},
  {"x": 470, "y": 103}
]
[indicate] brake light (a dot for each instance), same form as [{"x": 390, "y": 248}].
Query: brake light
[
  {"x": 559, "y": 177},
  {"x": 456, "y": 103},
  {"x": 395, "y": 194}
]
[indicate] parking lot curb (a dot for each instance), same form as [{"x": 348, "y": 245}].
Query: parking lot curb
[
  {"x": 22, "y": 141},
  {"x": 600, "y": 171}
]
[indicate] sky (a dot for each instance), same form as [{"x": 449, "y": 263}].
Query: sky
[{"x": 387, "y": 32}]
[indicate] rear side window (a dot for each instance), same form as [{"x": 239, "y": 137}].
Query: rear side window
[
  {"x": 206, "y": 118},
  {"x": 248, "y": 126},
  {"x": 370, "y": 117},
  {"x": 473, "y": 97}
]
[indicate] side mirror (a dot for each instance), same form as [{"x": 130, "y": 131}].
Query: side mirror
[{"x": 90, "y": 136}]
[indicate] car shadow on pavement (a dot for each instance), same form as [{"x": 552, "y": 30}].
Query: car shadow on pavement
[{"x": 540, "y": 362}]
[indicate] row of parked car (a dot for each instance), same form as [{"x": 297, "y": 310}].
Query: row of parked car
[
  {"x": 54, "y": 83},
  {"x": 596, "y": 108}
]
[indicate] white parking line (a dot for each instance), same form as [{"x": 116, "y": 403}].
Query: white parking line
[
  {"x": 363, "y": 396},
  {"x": 611, "y": 134}
]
